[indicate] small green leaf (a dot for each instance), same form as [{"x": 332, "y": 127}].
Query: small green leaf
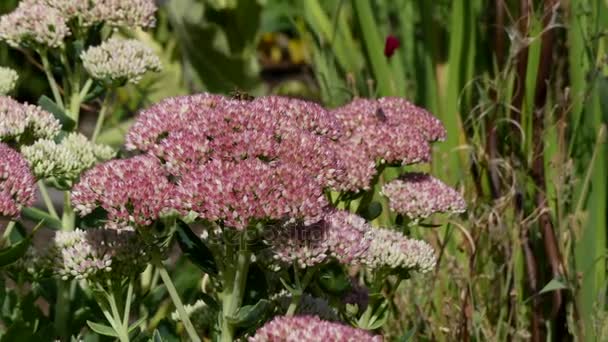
[
  {"x": 138, "y": 323},
  {"x": 333, "y": 279},
  {"x": 95, "y": 219},
  {"x": 102, "y": 329},
  {"x": 156, "y": 337},
  {"x": 381, "y": 316},
  {"x": 247, "y": 315},
  {"x": 373, "y": 210},
  {"x": 38, "y": 215},
  {"x": 194, "y": 249},
  {"x": 13, "y": 253},
  {"x": 66, "y": 121},
  {"x": 407, "y": 336},
  {"x": 553, "y": 285}
]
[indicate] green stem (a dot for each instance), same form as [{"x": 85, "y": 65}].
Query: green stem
[
  {"x": 293, "y": 305},
  {"x": 68, "y": 218},
  {"x": 301, "y": 285},
  {"x": 85, "y": 89},
  {"x": 52, "y": 82},
  {"x": 176, "y": 300},
  {"x": 7, "y": 232},
  {"x": 47, "y": 199},
  {"x": 62, "y": 309},
  {"x": 234, "y": 282},
  {"x": 121, "y": 329},
  {"x": 62, "y": 306},
  {"x": 101, "y": 117},
  {"x": 125, "y": 319}
]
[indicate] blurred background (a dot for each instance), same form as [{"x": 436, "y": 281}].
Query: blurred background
[{"x": 522, "y": 88}]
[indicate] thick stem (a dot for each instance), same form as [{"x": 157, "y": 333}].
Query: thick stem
[
  {"x": 68, "y": 218},
  {"x": 293, "y": 305},
  {"x": 234, "y": 282},
  {"x": 127, "y": 313},
  {"x": 62, "y": 306},
  {"x": 183, "y": 315},
  {"x": 52, "y": 82},
  {"x": 47, "y": 199},
  {"x": 100, "y": 118}
]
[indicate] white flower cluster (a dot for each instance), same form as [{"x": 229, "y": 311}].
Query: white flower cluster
[
  {"x": 117, "y": 61},
  {"x": 8, "y": 80},
  {"x": 116, "y": 13},
  {"x": 419, "y": 195},
  {"x": 95, "y": 254},
  {"x": 391, "y": 249},
  {"x": 22, "y": 121},
  {"x": 34, "y": 24},
  {"x": 65, "y": 161}
]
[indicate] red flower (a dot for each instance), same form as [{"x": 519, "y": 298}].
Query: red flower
[{"x": 392, "y": 44}]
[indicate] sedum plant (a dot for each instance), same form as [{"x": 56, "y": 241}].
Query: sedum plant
[{"x": 276, "y": 200}]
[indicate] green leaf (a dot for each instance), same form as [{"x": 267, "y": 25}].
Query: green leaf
[
  {"x": 138, "y": 323},
  {"x": 156, "y": 337},
  {"x": 553, "y": 285},
  {"x": 38, "y": 215},
  {"x": 194, "y": 249},
  {"x": 380, "y": 316},
  {"x": 18, "y": 331},
  {"x": 13, "y": 253},
  {"x": 248, "y": 315},
  {"x": 407, "y": 336},
  {"x": 373, "y": 210},
  {"x": 333, "y": 279},
  {"x": 66, "y": 121},
  {"x": 95, "y": 219},
  {"x": 102, "y": 329}
]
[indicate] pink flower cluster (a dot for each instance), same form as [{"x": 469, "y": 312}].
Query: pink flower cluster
[
  {"x": 309, "y": 329},
  {"x": 238, "y": 162},
  {"x": 241, "y": 161},
  {"x": 134, "y": 192},
  {"x": 340, "y": 234},
  {"x": 420, "y": 195},
  {"x": 388, "y": 130},
  {"x": 17, "y": 184}
]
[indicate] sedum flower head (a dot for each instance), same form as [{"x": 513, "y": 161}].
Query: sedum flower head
[
  {"x": 34, "y": 24},
  {"x": 117, "y": 61},
  {"x": 238, "y": 161},
  {"x": 96, "y": 254},
  {"x": 340, "y": 235},
  {"x": 8, "y": 80},
  {"x": 115, "y": 13},
  {"x": 391, "y": 250},
  {"x": 132, "y": 191},
  {"x": 385, "y": 135},
  {"x": 308, "y": 305},
  {"x": 24, "y": 123},
  {"x": 65, "y": 161},
  {"x": 418, "y": 195},
  {"x": 17, "y": 184},
  {"x": 309, "y": 329}
]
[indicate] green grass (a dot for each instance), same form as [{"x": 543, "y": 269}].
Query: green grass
[{"x": 496, "y": 259}]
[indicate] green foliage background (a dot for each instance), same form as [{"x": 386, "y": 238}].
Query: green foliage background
[{"x": 522, "y": 87}]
